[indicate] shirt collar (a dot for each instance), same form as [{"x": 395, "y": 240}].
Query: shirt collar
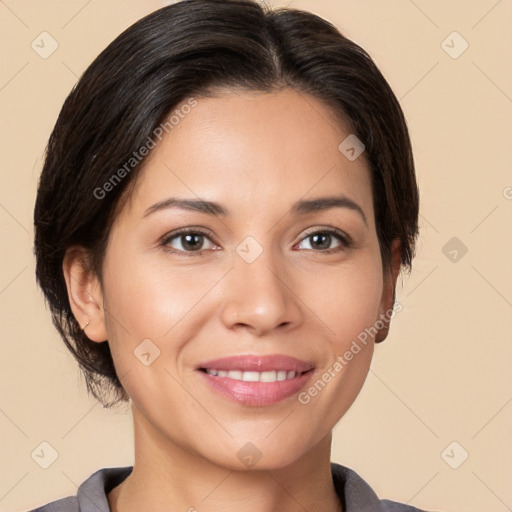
[{"x": 353, "y": 491}]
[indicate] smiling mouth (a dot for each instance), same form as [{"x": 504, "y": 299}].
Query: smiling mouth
[{"x": 253, "y": 376}]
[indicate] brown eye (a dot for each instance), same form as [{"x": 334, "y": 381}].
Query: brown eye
[
  {"x": 186, "y": 241},
  {"x": 322, "y": 240}
]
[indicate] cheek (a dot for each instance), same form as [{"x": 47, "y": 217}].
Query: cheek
[
  {"x": 146, "y": 298},
  {"x": 346, "y": 300},
  {"x": 149, "y": 296},
  {"x": 347, "y": 306}
]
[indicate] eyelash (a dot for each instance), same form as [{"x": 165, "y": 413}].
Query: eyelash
[{"x": 346, "y": 241}]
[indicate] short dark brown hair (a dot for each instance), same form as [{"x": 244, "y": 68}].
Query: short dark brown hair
[{"x": 186, "y": 49}]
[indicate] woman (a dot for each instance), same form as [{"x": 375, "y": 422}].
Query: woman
[{"x": 227, "y": 199}]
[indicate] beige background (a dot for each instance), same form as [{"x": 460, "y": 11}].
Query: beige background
[{"x": 442, "y": 375}]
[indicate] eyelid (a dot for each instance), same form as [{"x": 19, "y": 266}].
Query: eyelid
[{"x": 186, "y": 230}]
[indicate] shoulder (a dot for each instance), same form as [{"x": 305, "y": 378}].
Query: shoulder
[
  {"x": 92, "y": 493},
  {"x": 357, "y": 495}
]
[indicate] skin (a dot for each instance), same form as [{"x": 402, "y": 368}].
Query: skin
[{"x": 256, "y": 154}]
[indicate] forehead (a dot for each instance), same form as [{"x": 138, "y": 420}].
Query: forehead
[{"x": 253, "y": 150}]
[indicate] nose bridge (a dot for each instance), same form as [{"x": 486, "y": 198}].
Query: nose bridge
[{"x": 258, "y": 294}]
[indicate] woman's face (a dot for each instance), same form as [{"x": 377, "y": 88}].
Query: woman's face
[{"x": 257, "y": 275}]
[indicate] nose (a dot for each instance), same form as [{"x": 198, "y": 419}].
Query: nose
[{"x": 259, "y": 296}]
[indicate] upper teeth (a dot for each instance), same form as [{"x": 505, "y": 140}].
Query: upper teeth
[{"x": 271, "y": 376}]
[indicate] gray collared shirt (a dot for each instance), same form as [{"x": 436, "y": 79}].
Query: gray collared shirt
[{"x": 354, "y": 493}]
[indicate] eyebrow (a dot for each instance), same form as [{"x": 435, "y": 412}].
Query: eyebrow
[
  {"x": 299, "y": 208},
  {"x": 325, "y": 203}
]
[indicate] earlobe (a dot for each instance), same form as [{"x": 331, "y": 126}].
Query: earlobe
[
  {"x": 84, "y": 293},
  {"x": 388, "y": 294}
]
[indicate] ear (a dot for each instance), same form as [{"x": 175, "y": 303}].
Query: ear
[
  {"x": 388, "y": 292},
  {"x": 84, "y": 292}
]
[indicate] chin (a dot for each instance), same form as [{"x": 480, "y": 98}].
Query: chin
[{"x": 257, "y": 455}]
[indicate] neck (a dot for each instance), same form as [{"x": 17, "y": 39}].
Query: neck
[{"x": 168, "y": 476}]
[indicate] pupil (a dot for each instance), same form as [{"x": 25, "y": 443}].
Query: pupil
[
  {"x": 191, "y": 245},
  {"x": 325, "y": 238}
]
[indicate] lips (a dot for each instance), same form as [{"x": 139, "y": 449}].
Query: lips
[
  {"x": 267, "y": 363},
  {"x": 256, "y": 381}
]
